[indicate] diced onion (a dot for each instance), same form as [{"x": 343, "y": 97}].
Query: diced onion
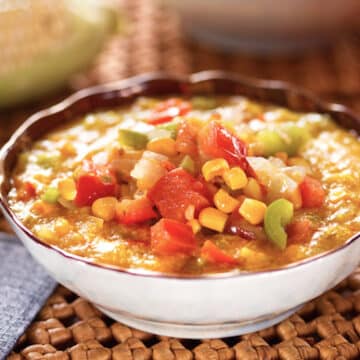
[{"x": 149, "y": 169}]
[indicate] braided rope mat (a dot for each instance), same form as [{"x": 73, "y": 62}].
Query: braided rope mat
[{"x": 69, "y": 327}]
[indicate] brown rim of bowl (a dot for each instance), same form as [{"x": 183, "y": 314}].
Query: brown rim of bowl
[{"x": 160, "y": 84}]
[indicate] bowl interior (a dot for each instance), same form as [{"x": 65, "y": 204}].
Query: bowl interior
[{"x": 124, "y": 92}]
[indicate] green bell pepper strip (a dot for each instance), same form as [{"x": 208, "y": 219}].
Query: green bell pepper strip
[
  {"x": 159, "y": 134},
  {"x": 297, "y": 135},
  {"x": 133, "y": 139},
  {"x": 172, "y": 127},
  {"x": 50, "y": 195},
  {"x": 278, "y": 214},
  {"x": 271, "y": 142},
  {"x": 203, "y": 102},
  {"x": 188, "y": 164},
  {"x": 47, "y": 161},
  {"x": 288, "y": 138}
]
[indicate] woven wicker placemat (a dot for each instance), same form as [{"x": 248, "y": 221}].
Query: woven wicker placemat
[{"x": 69, "y": 327}]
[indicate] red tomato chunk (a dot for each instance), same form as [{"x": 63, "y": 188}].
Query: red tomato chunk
[
  {"x": 169, "y": 237},
  {"x": 213, "y": 254},
  {"x": 186, "y": 140},
  {"x": 135, "y": 211},
  {"x": 175, "y": 191},
  {"x": 93, "y": 183},
  {"x": 27, "y": 190},
  {"x": 312, "y": 193},
  {"x": 299, "y": 231},
  {"x": 166, "y": 110},
  {"x": 217, "y": 142}
]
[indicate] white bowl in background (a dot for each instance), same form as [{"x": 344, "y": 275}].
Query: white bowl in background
[{"x": 267, "y": 26}]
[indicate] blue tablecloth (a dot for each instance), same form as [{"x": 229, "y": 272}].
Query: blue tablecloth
[{"x": 24, "y": 287}]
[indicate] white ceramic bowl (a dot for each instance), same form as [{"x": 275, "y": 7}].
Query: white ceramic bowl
[
  {"x": 267, "y": 25},
  {"x": 206, "y": 306}
]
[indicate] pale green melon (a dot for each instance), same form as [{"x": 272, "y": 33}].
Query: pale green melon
[{"x": 41, "y": 46}]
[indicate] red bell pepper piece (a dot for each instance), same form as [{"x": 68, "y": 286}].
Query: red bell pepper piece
[
  {"x": 299, "y": 231},
  {"x": 93, "y": 183},
  {"x": 166, "y": 110},
  {"x": 135, "y": 211},
  {"x": 312, "y": 193},
  {"x": 209, "y": 190},
  {"x": 218, "y": 142},
  {"x": 169, "y": 237},
  {"x": 175, "y": 191},
  {"x": 27, "y": 191},
  {"x": 213, "y": 254}
]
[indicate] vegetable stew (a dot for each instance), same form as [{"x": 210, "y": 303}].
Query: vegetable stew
[{"x": 192, "y": 185}]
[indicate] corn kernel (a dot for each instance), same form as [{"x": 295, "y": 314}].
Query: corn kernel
[
  {"x": 76, "y": 239},
  {"x": 68, "y": 149},
  {"x": 235, "y": 178},
  {"x": 67, "y": 189},
  {"x": 165, "y": 146},
  {"x": 224, "y": 202},
  {"x": 252, "y": 211},
  {"x": 215, "y": 167},
  {"x": 42, "y": 208},
  {"x": 195, "y": 225},
  {"x": 61, "y": 226},
  {"x": 296, "y": 199},
  {"x": 253, "y": 257},
  {"x": 93, "y": 224},
  {"x": 190, "y": 212},
  {"x": 45, "y": 233},
  {"x": 253, "y": 189},
  {"x": 45, "y": 179},
  {"x": 213, "y": 219},
  {"x": 104, "y": 208}
]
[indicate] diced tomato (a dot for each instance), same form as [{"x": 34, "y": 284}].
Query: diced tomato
[
  {"x": 166, "y": 110},
  {"x": 209, "y": 189},
  {"x": 27, "y": 191},
  {"x": 217, "y": 142},
  {"x": 175, "y": 191},
  {"x": 299, "y": 231},
  {"x": 93, "y": 183},
  {"x": 312, "y": 193},
  {"x": 135, "y": 211},
  {"x": 213, "y": 254},
  {"x": 168, "y": 165},
  {"x": 186, "y": 140},
  {"x": 169, "y": 237}
]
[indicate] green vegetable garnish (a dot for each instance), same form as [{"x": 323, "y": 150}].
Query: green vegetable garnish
[
  {"x": 50, "y": 195},
  {"x": 203, "y": 102},
  {"x": 287, "y": 138},
  {"x": 278, "y": 214},
  {"x": 188, "y": 164},
  {"x": 172, "y": 127},
  {"x": 297, "y": 135},
  {"x": 133, "y": 139},
  {"x": 47, "y": 160},
  {"x": 159, "y": 134},
  {"x": 271, "y": 142}
]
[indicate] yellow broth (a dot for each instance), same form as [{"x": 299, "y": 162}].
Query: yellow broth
[{"x": 331, "y": 155}]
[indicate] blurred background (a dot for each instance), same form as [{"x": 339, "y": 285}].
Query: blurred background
[{"x": 49, "y": 49}]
